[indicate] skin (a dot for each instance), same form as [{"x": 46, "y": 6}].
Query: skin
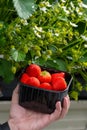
[{"x": 24, "y": 119}]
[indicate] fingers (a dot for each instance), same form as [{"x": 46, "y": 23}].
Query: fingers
[
  {"x": 60, "y": 112},
  {"x": 15, "y": 95},
  {"x": 56, "y": 114},
  {"x": 65, "y": 108}
]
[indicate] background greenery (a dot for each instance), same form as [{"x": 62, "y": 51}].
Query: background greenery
[{"x": 49, "y": 33}]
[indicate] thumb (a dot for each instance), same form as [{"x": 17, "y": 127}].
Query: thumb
[{"x": 15, "y": 95}]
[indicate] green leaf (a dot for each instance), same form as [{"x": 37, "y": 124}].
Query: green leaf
[
  {"x": 85, "y": 1},
  {"x": 57, "y": 64},
  {"x": 61, "y": 65},
  {"x": 24, "y": 8},
  {"x": 63, "y": 18},
  {"x": 53, "y": 48},
  {"x": 81, "y": 27},
  {"x": 51, "y": 64},
  {"x": 2, "y": 42},
  {"x": 40, "y": 61},
  {"x": 5, "y": 71},
  {"x": 84, "y": 58},
  {"x": 74, "y": 95},
  {"x": 17, "y": 55}
]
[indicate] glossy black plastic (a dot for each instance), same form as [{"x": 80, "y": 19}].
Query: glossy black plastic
[{"x": 42, "y": 100}]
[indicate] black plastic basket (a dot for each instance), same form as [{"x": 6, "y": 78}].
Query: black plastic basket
[{"x": 41, "y": 100}]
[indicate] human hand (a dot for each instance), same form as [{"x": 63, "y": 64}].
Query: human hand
[{"x": 24, "y": 119}]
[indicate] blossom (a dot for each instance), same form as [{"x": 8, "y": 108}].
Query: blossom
[
  {"x": 73, "y": 24},
  {"x": 1, "y": 56},
  {"x": 84, "y": 37},
  {"x": 82, "y": 5},
  {"x": 37, "y": 34},
  {"x": 44, "y": 9},
  {"x": 72, "y": 5},
  {"x": 48, "y": 4},
  {"x": 56, "y": 34},
  {"x": 85, "y": 45},
  {"x": 24, "y": 22},
  {"x": 63, "y": 1},
  {"x": 39, "y": 29},
  {"x": 65, "y": 10}
]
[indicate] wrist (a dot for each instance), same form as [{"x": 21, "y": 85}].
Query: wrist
[{"x": 12, "y": 125}]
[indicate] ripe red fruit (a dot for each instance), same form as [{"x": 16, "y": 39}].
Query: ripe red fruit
[
  {"x": 24, "y": 78},
  {"x": 33, "y": 81},
  {"x": 44, "y": 76},
  {"x": 58, "y": 74},
  {"x": 46, "y": 86},
  {"x": 33, "y": 70},
  {"x": 59, "y": 84}
]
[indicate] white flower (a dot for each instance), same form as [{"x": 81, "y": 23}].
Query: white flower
[
  {"x": 82, "y": 5},
  {"x": 24, "y": 22},
  {"x": 1, "y": 56},
  {"x": 48, "y": 56},
  {"x": 85, "y": 19},
  {"x": 84, "y": 37},
  {"x": 78, "y": 11},
  {"x": 18, "y": 26},
  {"x": 33, "y": 6},
  {"x": 85, "y": 45},
  {"x": 48, "y": 4},
  {"x": 65, "y": 10},
  {"x": 54, "y": 61},
  {"x": 36, "y": 57},
  {"x": 63, "y": 1},
  {"x": 37, "y": 34},
  {"x": 72, "y": 5},
  {"x": 44, "y": 9},
  {"x": 73, "y": 24},
  {"x": 70, "y": 9},
  {"x": 39, "y": 29},
  {"x": 69, "y": 57},
  {"x": 56, "y": 34}
]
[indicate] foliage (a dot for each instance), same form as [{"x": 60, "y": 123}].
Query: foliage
[
  {"x": 24, "y": 7},
  {"x": 55, "y": 35},
  {"x": 7, "y": 11}
]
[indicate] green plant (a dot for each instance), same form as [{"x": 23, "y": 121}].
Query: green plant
[{"x": 55, "y": 35}]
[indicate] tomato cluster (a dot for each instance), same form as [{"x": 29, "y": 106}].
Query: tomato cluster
[{"x": 35, "y": 76}]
